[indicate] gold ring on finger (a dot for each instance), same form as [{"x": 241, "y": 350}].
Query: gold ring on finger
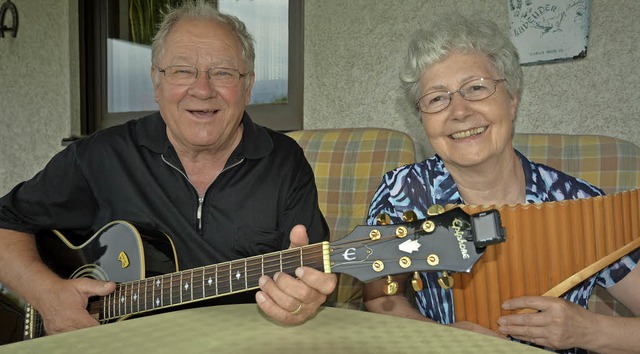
[{"x": 297, "y": 311}]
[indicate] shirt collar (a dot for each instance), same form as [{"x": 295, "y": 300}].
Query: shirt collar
[{"x": 256, "y": 141}]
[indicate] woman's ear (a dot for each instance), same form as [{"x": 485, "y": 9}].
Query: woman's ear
[{"x": 514, "y": 107}]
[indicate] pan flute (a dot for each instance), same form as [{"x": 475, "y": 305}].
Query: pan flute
[{"x": 550, "y": 248}]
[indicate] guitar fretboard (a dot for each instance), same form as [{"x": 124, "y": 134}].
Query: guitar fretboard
[{"x": 203, "y": 283}]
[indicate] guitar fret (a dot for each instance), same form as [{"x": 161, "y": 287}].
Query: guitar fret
[
  {"x": 132, "y": 297},
  {"x": 146, "y": 289},
  {"x": 119, "y": 301},
  {"x": 245, "y": 274},
  {"x": 107, "y": 305},
  {"x": 170, "y": 289},
  {"x": 301, "y": 259},
  {"x": 137, "y": 297},
  {"x": 114, "y": 303},
  {"x": 125, "y": 298},
  {"x": 140, "y": 301},
  {"x": 191, "y": 287},
  {"x": 166, "y": 290},
  {"x": 122, "y": 310},
  {"x": 203, "y": 286},
  {"x": 160, "y": 285},
  {"x": 129, "y": 297},
  {"x": 153, "y": 293},
  {"x": 216, "y": 280}
]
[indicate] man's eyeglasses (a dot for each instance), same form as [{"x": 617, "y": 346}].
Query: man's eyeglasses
[
  {"x": 474, "y": 90},
  {"x": 186, "y": 75}
]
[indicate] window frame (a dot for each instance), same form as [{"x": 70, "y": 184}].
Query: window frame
[{"x": 95, "y": 24}]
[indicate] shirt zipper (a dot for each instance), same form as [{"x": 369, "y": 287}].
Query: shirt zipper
[
  {"x": 200, "y": 199},
  {"x": 199, "y": 213}
]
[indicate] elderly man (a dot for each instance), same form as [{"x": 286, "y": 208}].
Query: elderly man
[{"x": 199, "y": 171}]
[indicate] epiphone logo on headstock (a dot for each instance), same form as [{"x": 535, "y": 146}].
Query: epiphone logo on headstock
[
  {"x": 458, "y": 226},
  {"x": 349, "y": 254}
]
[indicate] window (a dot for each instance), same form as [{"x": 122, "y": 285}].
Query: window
[{"x": 115, "y": 58}]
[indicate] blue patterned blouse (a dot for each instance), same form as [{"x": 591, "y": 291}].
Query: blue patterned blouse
[{"x": 420, "y": 185}]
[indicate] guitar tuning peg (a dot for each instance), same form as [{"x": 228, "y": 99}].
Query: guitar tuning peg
[
  {"x": 383, "y": 219},
  {"x": 391, "y": 288},
  {"x": 409, "y": 216},
  {"x": 435, "y": 209},
  {"x": 416, "y": 282},
  {"x": 445, "y": 281}
]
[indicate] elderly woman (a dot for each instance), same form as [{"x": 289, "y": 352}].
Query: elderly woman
[{"x": 464, "y": 77}]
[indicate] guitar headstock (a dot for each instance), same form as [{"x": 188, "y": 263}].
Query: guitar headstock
[{"x": 451, "y": 241}]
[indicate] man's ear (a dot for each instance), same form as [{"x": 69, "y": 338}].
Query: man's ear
[
  {"x": 251, "y": 79},
  {"x": 155, "y": 80}
]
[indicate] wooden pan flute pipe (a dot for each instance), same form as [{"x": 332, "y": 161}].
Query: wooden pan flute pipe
[{"x": 550, "y": 248}]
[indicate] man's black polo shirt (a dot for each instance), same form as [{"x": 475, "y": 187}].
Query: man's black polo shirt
[{"x": 131, "y": 172}]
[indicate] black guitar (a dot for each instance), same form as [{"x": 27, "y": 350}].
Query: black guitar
[{"x": 145, "y": 267}]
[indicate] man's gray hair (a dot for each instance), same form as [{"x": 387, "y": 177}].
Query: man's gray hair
[{"x": 202, "y": 10}]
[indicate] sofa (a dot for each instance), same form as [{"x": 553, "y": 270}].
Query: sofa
[{"x": 349, "y": 164}]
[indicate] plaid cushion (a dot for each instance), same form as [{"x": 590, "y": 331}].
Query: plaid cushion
[
  {"x": 349, "y": 164},
  {"x": 610, "y": 163}
]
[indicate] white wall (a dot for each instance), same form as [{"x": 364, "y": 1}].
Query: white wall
[
  {"x": 353, "y": 49},
  {"x": 39, "y": 100}
]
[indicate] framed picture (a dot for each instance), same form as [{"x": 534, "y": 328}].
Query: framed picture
[{"x": 549, "y": 30}]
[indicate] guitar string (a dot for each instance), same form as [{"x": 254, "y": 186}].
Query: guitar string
[
  {"x": 224, "y": 286},
  {"x": 286, "y": 261},
  {"x": 221, "y": 270},
  {"x": 172, "y": 294}
]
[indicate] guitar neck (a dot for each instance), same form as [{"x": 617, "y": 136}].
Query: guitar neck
[{"x": 203, "y": 283}]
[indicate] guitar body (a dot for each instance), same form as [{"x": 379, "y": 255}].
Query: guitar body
[
  {"x": 118, "y": 252},
  {"x": 144, "y": 264}
]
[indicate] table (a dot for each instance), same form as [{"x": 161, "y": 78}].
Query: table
[{"x": 244, "y": 329}]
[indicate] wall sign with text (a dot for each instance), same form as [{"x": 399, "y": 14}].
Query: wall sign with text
[{"x": 548, "y": 30}]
